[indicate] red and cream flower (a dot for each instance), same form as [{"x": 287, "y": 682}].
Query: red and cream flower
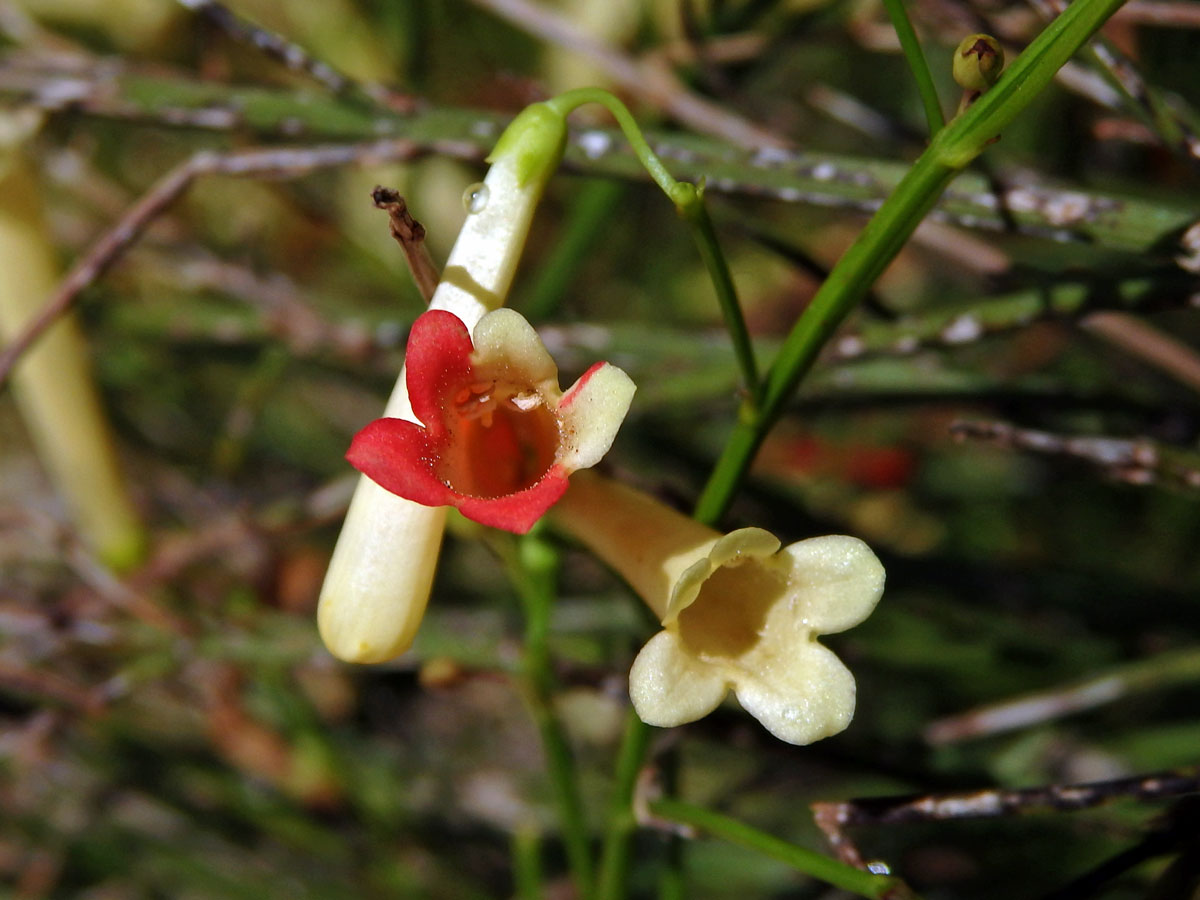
[{"x": 496, "y": 437}]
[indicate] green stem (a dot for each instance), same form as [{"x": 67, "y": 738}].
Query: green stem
[
  {"x": 590, "y": 213},
  {"x": 916, "y": 61},
  {"x": 954, "y": 147},
  {"x": 568, "y": 101},
  {"x": 672, "y": 880},
  {"x": 1114, "y": 221},
  {"x": 533, "y": 570},
  {"x": 695, "y": 213},
  {"x": 614, "y": 856},
  {"x": 689, "y": 203},
  {"x": 816, "y": 865},
  {"x": 527, "y": 863}
]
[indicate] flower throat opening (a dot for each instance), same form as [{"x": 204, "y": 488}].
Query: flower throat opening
[{"x": 503, "y": 440}]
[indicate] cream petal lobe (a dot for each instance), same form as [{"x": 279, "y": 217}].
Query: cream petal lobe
[
  {"x": 671, "y": 687},
  {"x": 506, "y": 346},
  {"x": 590, "y": 414},
  {"x": 801, "y": 697},
  {"x": 837, "y": 581}
]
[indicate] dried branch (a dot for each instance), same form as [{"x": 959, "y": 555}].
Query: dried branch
[
  {"x": 834, "y": 818},
  {"x": 961, "y": 324},
  {"x": 1141, "y": 339},
  {"x": 410, "y": 235},
  {"x": 853, "y": 183},
  {"x": 281, "y": 162},
  {"x": 1162, "y": 671},
  {"x": 1136, "y": 461},
  {"x": 1172, "y": 14},
  {"x": 295, "y": 57}
]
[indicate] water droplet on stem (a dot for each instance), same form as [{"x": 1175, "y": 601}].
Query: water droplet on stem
[{"x": 475, "y": 197}]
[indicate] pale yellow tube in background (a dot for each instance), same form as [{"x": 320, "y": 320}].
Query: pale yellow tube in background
[{"x": 53, "y": 383}]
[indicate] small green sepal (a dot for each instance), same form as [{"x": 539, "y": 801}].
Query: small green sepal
[{"x": 536, "y": 139}]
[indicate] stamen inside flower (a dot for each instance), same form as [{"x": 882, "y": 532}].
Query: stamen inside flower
[{"x": 503, "y": 439}]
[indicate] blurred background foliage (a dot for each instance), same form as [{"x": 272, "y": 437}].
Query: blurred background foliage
[{"x": 178, "y": 731}]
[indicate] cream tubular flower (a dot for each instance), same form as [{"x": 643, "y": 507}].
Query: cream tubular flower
[
  {"x": 382, "y": 568},
  {"x": 738, "y": 613}
]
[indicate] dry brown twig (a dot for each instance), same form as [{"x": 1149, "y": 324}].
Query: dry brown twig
[
  {"x": 833, "y": 818},
  {"x": 1157, "y": 673},
  {"x": 1134, "y": 461},
  {"x": 296, "y": 58},
  {"x": 1139, "y": 338},
  {"x": 284, "y": 162},
  {"x": 410, "y": 235}
]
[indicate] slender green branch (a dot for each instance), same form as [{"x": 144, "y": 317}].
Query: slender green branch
[
  {"x": 533, "y": 570},
  {"x": 592, "y": 209},
  {"x": 916, "y": 61},
  {"x": 572, "y": 100},
  {"x": 689, "y": 203},
  {"x": 527, "y": 863},
  {"x": 825, "y": 179},
  {"x": 695, "y": 213},
  {"x": 614, "y": 856},
  {"x": 810, "y": 862},
  {"x": 969, "y": 322},
  {"x": 952, "y": 148}
]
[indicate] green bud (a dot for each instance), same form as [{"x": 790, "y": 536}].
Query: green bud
[
  {"x": 978, "y": 61},
  {"x": 536, "y": 139}
]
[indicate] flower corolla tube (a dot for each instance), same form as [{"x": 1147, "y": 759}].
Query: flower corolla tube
[
  {"x": 496, "y": 438},
  {"x": 382, "y": 568},
  {"x": 738, "y": 613}
]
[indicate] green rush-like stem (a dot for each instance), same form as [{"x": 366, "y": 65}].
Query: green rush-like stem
[
  {"x": 568, "y": 101},
  {"x": 811, "y": 863},
  {"x": 526, "y": 851},
  {"x": 621, "y": 822},
  {"x": 591, "y": 211},
  {"x": 672, "y": 880},
  {"x": 689, "y": 203},
  {"x": 917, "y": 63},
  {"x": 533, "y": 569},
  {"x": 954, "y": 147},
  {"x": 1125, "y": 223},
  {"x": 695, "y": 213}
]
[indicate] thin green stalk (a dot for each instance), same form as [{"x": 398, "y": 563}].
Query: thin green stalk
[
  {"x": 1125, "y": 223},
  {"x": 533, "y": 569},
  {"x": 916, "y": 61},
  {"x": 816, "y": 865},
  {"x": 695, "y": 213},
  {"x": 527, "y": 863},
  {"x": 672, "y": 880},
  {"x": 593, "y": 208},
  {"x": 689, "y": 203},
  {"x": 614, "y": 855},
  {"x": 951, "y": 150},
  {"x": 568, "y": 101}
]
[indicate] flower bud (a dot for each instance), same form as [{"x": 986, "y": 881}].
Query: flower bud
[{"x": 978, "y": 62}]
